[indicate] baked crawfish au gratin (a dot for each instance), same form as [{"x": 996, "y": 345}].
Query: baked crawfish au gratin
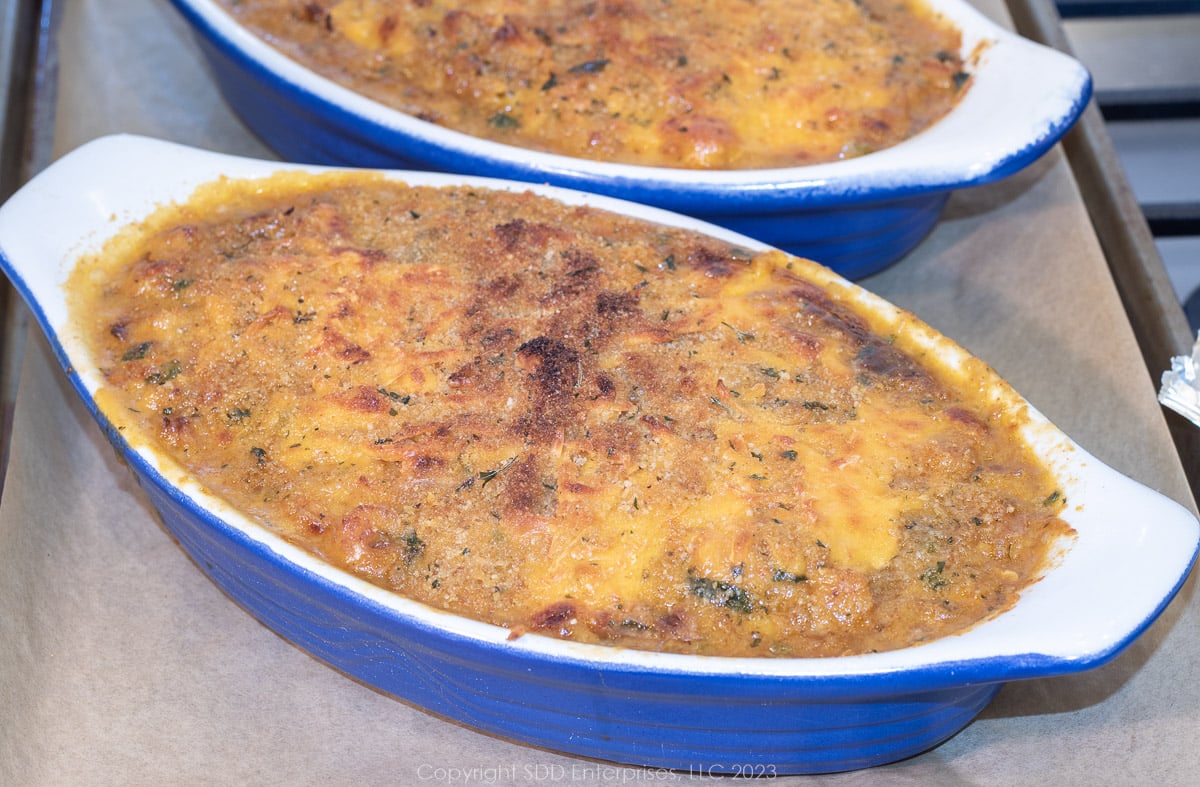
[
  {"x": 713, "y": 84},
  {"x": 562, "y": 420}
]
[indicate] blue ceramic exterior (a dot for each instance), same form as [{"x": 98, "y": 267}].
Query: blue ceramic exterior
[
  {"x": 759, "y": 725},
  {"x": 855, "y": 233}
]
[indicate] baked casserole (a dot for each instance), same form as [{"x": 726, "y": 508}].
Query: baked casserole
[
  {"x": 689, "y": 83},
  {"x": 566, "y": 421}
]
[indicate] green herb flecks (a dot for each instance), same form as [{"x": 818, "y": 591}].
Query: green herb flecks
[
  {"x": 501, "y": 120},
  {"x": 138, "y": 352},
  {"x": 170, "y": 372},
  {"x": 723, "y": 594},
  {"x": 394, "y": 396},
  {"x": 487, "y": 475},
  {"x": 414, "y": 546},
  {"x": 934, "y": 577},
  {"x": 589, "y": 66},
  {"x": 742, "y": 336}
]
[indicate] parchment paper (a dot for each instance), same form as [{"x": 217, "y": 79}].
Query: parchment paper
[{"x": 120, "y": 664}]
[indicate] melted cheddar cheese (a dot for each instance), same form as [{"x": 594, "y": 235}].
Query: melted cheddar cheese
[
  {"x": 561, "y": 420},
  {"x": 706, "y": 84}
]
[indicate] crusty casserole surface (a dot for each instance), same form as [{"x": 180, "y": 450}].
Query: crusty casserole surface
[
  {"x": 566, "y": 421},
  {"x": 706, "y": 84}
]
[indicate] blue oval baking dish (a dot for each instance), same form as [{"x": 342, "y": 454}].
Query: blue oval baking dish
[
  {"x": 1132, "y": 550},
  {"x": 856, "y": 216}
]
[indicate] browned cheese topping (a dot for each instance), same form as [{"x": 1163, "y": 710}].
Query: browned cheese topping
[
  {"x": 713, "y": 84},
  {"x": 561, "y": 420}
]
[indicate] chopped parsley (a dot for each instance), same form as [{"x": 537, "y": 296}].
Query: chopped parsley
[
  {"x": 162, "y": 376},
  {"x": 723, "y": 594},
  {"x": 137, "y": 353}
]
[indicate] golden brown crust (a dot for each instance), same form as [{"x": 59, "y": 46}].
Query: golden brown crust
[
  {"x": 565, "y": 421},
  {"x": 707, "y": 84}
]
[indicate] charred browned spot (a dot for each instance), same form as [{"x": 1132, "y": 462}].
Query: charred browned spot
[
  {"x": 580, "y": 271},
  {"x": 523, "y": 235},
  {"x": 605, "y": 386},
  {"x": 658, "y": 426},
  {"x": 119, "y": 330},
  {"x": 540, "y": 425},
  {"x": 369, "y": 257},
  {"x": 464, "y": 376},
  {"x": 964, "y": 416},
  {"x": 577, "y": 263},
  {"x": 812, "y": 295},
  {"x": 875, "y": 355},
  {"x": 712, "y": 263},
  {"x": 555, "y": 371},
  {"x": 525, "y": 490},
  {"x": 886, "y": 361},
  {"x": 559, "y": 616},
  {"x": 507, "y": 31},
  {"x": 362, "y": 539},
  {"x": 321, "y": 219},
  {"x": 424, "y": 463},
  {"x": 502, "y": 286},
  {"x": 271, "y": 316},
  {"x": 312, "y": 12},
  {"x": 616, "y": 304},
  {"x": 359, "y": 527},
  {"x": 806, "y": 345},
  {"x": 176, "y": 426},
  {"x": 419, "y": 446},
  {"x": 554, "y": 366},
  {"x": 673, "y": 622},
  {"x": 363, "y": 399},
  {"x": 386, "y": 28},
  {"x": 510, "y": 233},
  {"x": 167, "y": 272},
  {"x": 497, "y": 337},
  {"x": 338, "y": 345},
  {"x": 877, "y": 126}
]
